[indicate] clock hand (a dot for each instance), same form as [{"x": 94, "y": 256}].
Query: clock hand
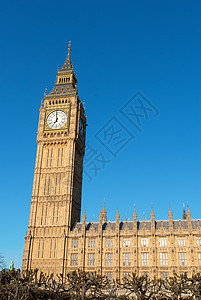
[{"x": 56, "y": 118}]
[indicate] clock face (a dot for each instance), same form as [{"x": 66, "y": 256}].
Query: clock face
[
  {"x": 56, "y": 119},
  {"x": 81, "y": 128}
]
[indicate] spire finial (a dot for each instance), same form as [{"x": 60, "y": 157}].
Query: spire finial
[
  {"x": 117, "y": 214},
  {"x": 84, "y": 215},
  {"x": 152, "y": 212},
  {"x": 170, "y": 215},
  {"x": 104, "y": 210},
  {"x": 134, "y": 213},
  {"x": 69, "y": 47}
]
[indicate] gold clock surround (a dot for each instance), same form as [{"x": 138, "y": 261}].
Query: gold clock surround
[{"x": 49, "y": 111}]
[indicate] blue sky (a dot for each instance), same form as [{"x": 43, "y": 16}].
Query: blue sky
[{"x": 119, "y": 48}]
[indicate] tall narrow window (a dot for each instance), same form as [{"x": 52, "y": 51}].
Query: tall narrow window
[
  {"x": 126, "y": 259},
  {"x": 164, "y": 275},
  {"x": 58, "y": 157},
  {"x": 51, "y": 157},
  {"x": 41, "y": 221},
  {"x": 39, "y": 249},
  {"x": 198, "y": 242},
  {"x": 199, "y": 259},
  {"x": 182, "y": 259},
  {"x": 75, "y": 243},
  {"x": 48, "y": 153},
  {"x": 57, "y": 218},
  {"x": 53, "y": 215},
  {"x": 145, "y": 259},
  {"x": 46, "y": 216},
  {"x": 48, "y": 186},
  {"x": 144, "y": 242},
  {"x": 91, "y": 259},
  {"x": 108, "y": 259},
  {"x": 44, "y": 191},
  {"x": 162, "y": 242},
  {"x": 62, "y": 152},
  {"x": 92, "y": 243},
  {"x": 55, "y": 247},
  {"x": 126, "y": 243},
  {"x": 51, "y": 249},
  {"x": 74, "y": 259},
  {"x": 109, "y": 243},
  {"x": 55, "y": 188},
  {"x": 42, "y": 249},
  {"x": 181, "y": 242},
  {"x": 163, "y": 259},
  {"x": 59, "y": 189},
  {"x": 108, "y": 275}
]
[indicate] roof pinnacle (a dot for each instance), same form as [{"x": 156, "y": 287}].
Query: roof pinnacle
[
  {"x": 117, "y": 214},
  {"x": 69, "y": 48},
  {"x": 152, "y": 212},
  {"x": 134, "y": 213},
  {"x": 84, "y": 215},
  {"x": 170, "y": 215}
]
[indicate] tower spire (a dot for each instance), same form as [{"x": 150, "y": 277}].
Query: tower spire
[
  {"x": 67, "y": 67},
  {"x": 66, "y": 81}
]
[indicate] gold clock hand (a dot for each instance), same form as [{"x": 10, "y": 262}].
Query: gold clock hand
[{"x": 56, "y": 118}]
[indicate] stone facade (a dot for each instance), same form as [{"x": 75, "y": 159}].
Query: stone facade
[{"x": 56, "y": 242}]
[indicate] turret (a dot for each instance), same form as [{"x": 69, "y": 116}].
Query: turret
[
  {"x": 189, "y": 220},
  {"x": 184, "y": 213},
  {"x": 170, "y": 219},
  {"x": 104, "y": 214},
  {"x": 135, "y": 221},
  {"x": 117, "y": 220},
  {"x": 152, "y": 220},
  {"x": 84, "y": 218}
]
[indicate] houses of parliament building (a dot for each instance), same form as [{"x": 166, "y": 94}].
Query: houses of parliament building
[{"x": 57, "y": 242}]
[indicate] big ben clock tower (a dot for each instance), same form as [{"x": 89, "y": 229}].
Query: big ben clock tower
[{"x": 57, "y": 184}]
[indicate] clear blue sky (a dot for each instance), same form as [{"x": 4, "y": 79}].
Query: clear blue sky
[{"x": 118, "y": 48}]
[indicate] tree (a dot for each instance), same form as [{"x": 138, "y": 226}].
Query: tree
[
  {"x": 142, "y": 287},
  {"x": 194, "y": 286},
  {"x": 80, "y": 285},
  {"x": 178, "y": 287},
  {"x": 2, "y": 262}
]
